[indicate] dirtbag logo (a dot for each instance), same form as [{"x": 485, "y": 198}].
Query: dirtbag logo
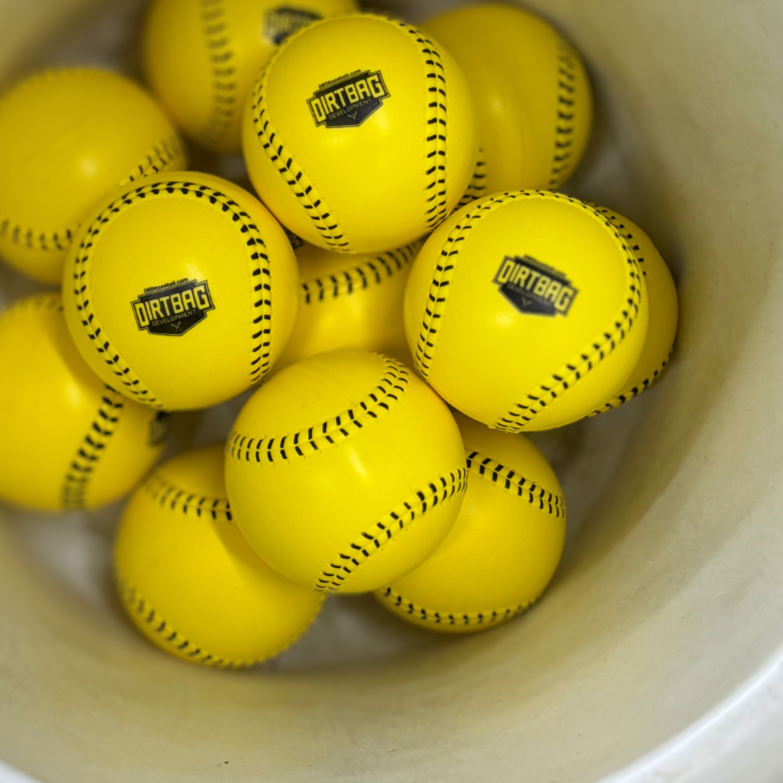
[
  {"x": 173, "y": 308},
  {"x": 533, "y": 287},
  {"x": 281, "y": 22},
  {"x": 348, "y": 101}
]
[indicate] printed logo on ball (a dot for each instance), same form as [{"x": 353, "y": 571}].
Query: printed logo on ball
[
  {"x": 279, "y": 23},
  {"x": 533, "y": 287},
  {"x": 348, "y": 101},
  {"x": 174, "y": 308}
]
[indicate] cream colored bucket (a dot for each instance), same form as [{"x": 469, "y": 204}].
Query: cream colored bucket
[{"x": 654, "y": 655}]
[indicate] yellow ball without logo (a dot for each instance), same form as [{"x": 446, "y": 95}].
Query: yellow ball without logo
[
  {"x": 67, "y": 138},
  {"x": 350, "y": 302},
  {"x": 531, "y": 90},
  {"x": 188, "y": 579},
  {"x": 345, "y": 471},
  {"x": 504, "y": 547},
  {"x": 526, "y": 311},
  {"x": 202, "y": 56},
  {"x": 360, "y": 134},
  {"x": 181, "y": 292},
  {"x": 68, "y": 441},
  {"x": 663, "y": 311}
]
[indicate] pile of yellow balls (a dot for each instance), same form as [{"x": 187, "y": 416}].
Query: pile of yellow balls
[{"x": 408, "y": 289}]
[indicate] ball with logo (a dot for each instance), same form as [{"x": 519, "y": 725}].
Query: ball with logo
[
  {"x": 69, "y": 441},
  {"x": 350, "y": 302},
  {"x": 505, "y": 545},
  {"x": 360, "y": 134},
  {"x": 67, "y": 138},
  {"x": 532, "y": 94},
  {"x": 202, "y": 58},
  {"x": 526, "y": 310},
  {"x": 181, "y": 292},
  {"x": 188, "y": 579}
]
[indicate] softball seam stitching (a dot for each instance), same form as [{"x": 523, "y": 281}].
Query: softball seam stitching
[
  {"x": 91, "y": 449},
  {"x": 389, "y": 528},
  {"x": 170, "y": 496},
  {"x": 311, "y": 440},
  {"x": 562, "y": 160},
  {"x": 158, "y": 159},
  {"x": 299, "y": 183},
  {"x": 223, "y": 73},
  {"x": 490, "y": 617},
  {"x": 260, "y": 268},
  {"x": 477, "y": 184},
  {"x": 507, "y": 478},
  {"x": 359, "y": 277}
]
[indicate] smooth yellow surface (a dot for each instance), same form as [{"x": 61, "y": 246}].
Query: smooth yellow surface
[
  {"x": 345, "y": 471},
  {"x": 504, "y": 547},
  {"x": 201, "y": 58},
  {"x": 190, "y": 227},
  {"x": 516, "y": 370},
  {"x": 384, "y": 183},
  {"x": 662, "y": 295},
  {"x": 350, "y": 302},
  {"x": 67, "y": 138},
  {"x": 67, "y": 441},
  {"x": 188, "y": 579},
  {"x": 532, "y": 94}
]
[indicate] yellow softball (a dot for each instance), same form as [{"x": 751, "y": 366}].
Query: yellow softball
[
  {"x": 181, "y": 291},
  {"x": 504, "y": 547},
  {"x": 67, "y": 138},
  {"x": 532, "y": 94},
  {"x": 662, "y": 296},
  {"x": 350, "y": 302},
  {"x": 526, "y": 310},
  {"x": 68, "y": 441},
  {"x": 360, "y": 134},
  {"x": 201, "y": 57},
  {"x": 188, "y": 579},
  {"x": 345, "y": 471}
]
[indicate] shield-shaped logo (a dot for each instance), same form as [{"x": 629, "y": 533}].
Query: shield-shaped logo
[
  {"x": 348, "y": 101},
  {"x": 279, "y": 23},
  {"x": 533, "y": 287},
  {"x": 174, "y": 308}
]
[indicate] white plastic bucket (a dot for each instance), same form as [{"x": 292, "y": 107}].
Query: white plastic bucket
[{"x": 655, "y": 654}]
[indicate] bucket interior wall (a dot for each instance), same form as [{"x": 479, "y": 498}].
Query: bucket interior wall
[{"x": 669, "y": 595}]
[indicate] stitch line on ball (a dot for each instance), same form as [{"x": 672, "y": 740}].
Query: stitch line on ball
[
  {"x": 158, "y": 159},
  {"x": 390, "y": 528},
  {"x": 443, "y": 274},
  {"x": 172, "y": 497},
  {"x": 145, "y": 613},
  {"x": 562, "y": 160},
  {"x": 288, "y": 168},
  {"x": 536, "y": 400},
  {"x": 635, "y": 391},
  {"x": 258, "y": 263},
  {"x": 47, "y": 302},
  {"x": 511, "y": 481},
  {"x": 444, "y": 617},
  {"x": 315, "y": 439},
  {"x": 91, "y": 449},
  {"x": 223, "y": 72},
  {"x": 478, "y": 183},
  {"x": 358, "y": 278}
]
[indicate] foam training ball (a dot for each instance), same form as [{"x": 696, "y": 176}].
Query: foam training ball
[
  {"x": 504, "y": 547},
  {"x": 662, "y": 295},
  {"x": 360, "y": 134},
  {"x": 202, "y": 56},
  {"x": 67, "y": 138},
  {"x": 526, "y": 311},
  {"x": 68, "y": 441},
  {"x": 188, "y": 579},
  {"x": 350, "y": 302},
  {"x": 532, "y": 94},
  {"x": 181, "y": 291},
  {"x": 345, "y": 471}
]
